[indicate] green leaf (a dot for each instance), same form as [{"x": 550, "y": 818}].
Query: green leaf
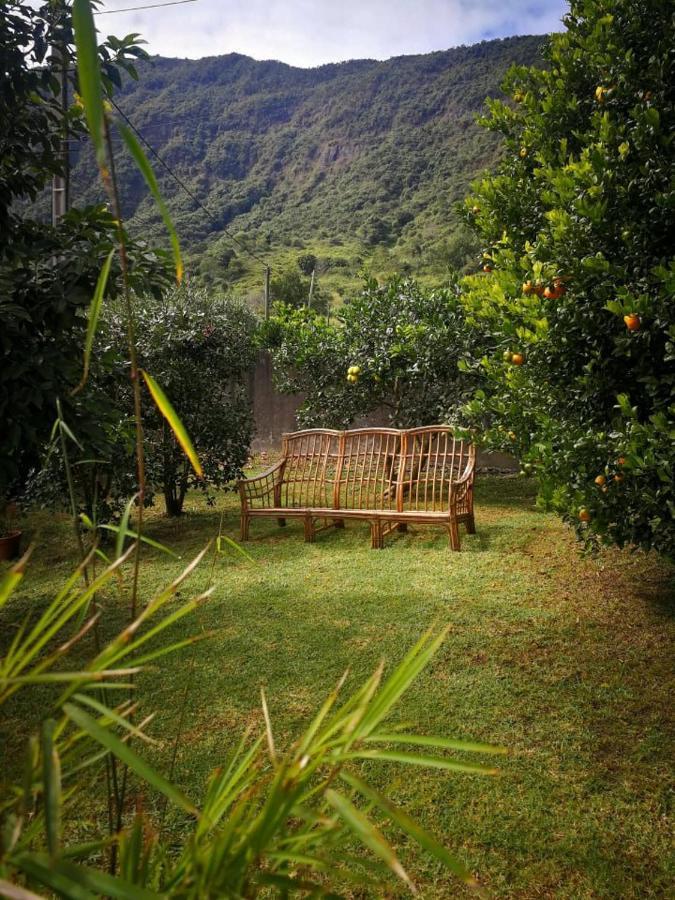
[
  {"x": 444, "y": 743},
  {"x": 171, "y": 417},
  {"x": 89, "y": 74},
  {"x": 129, "y": 757},
  {"x": 94, "y": 313},
  {"x": 80, "y": 882},
  {"x": 414, "y": 759},
  {"x": 145, "y": 168},
  {"x": 51, "y": 776},
  {"x": 123, "y": 528},
  {"x": 144, "y": 538},
  {"x": 427, "y": 841},
  {"x": 364, "y": 829}
]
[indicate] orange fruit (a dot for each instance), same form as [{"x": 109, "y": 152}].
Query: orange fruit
[
  {"x": 517, "y": 359},
  {"x": 633, "y": 322},
  {"x": 528, "y": 287},
  {"x": 584, "y": 515},
  {"x": 487, "y": 268},
  {"x": 618, "y": 477},
  {"x": 621, "y": 461},
  {"x": 600, "y": 480}
]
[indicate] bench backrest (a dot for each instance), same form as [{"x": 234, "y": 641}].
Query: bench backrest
[
  {"x": 373, "y": 468},
  {"x": 311, "y": 461},
  {"x": 431, "y": 460},
  {"x": 369, "y": 468}
]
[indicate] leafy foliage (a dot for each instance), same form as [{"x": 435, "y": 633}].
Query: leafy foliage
[
  {"x": 47, "y": 275},
  {"x": 577, "y": 224},
  {"x": 396, "y": 347},
  {"x": 200, "y": 350}
]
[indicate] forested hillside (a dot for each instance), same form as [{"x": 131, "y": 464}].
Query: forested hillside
[{"x": 357, "y": 163}]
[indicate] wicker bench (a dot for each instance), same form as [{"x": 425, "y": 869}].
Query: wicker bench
[{"x": 386, "y": 476}]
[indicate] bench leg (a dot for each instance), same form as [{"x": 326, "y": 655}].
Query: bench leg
[
  {"x": 281, "y": 522},
  {"x": 402, "y": 526},
  {"x": 376, "y": 536},
  {"x": 245, "y": 524},
  {"x": 471, "y": 525},
  {"x": 310, "y": 533},
  {"x": 453, "y": 531}
]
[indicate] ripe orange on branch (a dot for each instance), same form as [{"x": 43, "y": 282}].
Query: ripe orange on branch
[{"x": 633, "y": 321}]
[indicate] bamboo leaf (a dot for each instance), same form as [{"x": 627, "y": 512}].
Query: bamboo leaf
[
  {"x": 364, "y": 829},
  {"x": 125, "y": 754},
  {"x": 116, "y": 529},
  {"x": 114, "y": 717},
  {"x": 13, "y": 578},
  {"x": 427, "y": 841},
  {"x": 89, "y": 74},
  {"x": 94, "y": 313},
  {"x": 414, "y": 759},
  {"x": 51, "y": 777},
  {"x": 145, "y": 168},
  {"x": 171, "y": 417},
  {"x": 430, "y": 741},
  {"x": 123, "y": 526},
  {"x": 77, "y": 882},
  {"x": 224, "y": 539}
]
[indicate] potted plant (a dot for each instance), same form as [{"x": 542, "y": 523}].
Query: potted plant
[{"x": 10, "y": 537}]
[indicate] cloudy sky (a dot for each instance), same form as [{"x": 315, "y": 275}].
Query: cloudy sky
[{"x": 312, "y": 32}]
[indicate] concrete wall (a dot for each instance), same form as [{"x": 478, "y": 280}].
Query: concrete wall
[{"x": 275, "y": 413}]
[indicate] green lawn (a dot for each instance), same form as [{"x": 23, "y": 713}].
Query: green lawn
[{"x": 566, "y": 660}]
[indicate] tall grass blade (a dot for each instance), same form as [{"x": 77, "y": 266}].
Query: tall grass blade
[
  {"x": 89, "y": 74},
  {"x": 94, "y": 313},
  {"x": 172, "y": 418},
  {"x": 125, "y": 754},
  {"x": 143, "y": 164},
  {"x": 51, "y": 776},
  {"x": 364, "y": 829},
  {"x": 427, "y": 841}
]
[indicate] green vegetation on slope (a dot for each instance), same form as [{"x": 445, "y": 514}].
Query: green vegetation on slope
[{"x": 360, "y": 163}]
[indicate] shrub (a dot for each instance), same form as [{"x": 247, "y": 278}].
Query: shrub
[
  {"x": 201, "y": 350},
  {"x": 411, "y": 346}
]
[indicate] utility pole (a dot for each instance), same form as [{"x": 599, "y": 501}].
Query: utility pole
[
  {"x": 61, "y": 183},
  {"x": 267, "y": 292},
  {"x": 311, "y": 290}
]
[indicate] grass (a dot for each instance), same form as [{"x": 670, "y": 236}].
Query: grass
[{"x": 565, "y": 660}]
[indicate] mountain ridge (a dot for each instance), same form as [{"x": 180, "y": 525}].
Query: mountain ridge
[{"x": 367, "y": 157}]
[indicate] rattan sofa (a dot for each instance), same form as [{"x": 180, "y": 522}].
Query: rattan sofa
[{"x": 386, "y": 476}]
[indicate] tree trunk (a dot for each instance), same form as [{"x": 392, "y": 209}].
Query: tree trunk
[{"x": 174, "y": 504}]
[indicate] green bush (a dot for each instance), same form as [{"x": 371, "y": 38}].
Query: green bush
[
  {"x": 577, "y": 225},
  {"x": 412, "y": 348},
  {"x": 201, "y": 350}
]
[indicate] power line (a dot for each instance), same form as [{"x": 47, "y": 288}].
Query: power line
[
  {"x": 107, "y": 12},
  {"x": 187, "y": 190}
]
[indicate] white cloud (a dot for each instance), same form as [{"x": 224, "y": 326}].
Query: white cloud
[{"x": 305, "y": 33}]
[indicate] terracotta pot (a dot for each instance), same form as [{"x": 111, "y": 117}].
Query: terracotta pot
[{"x": 10, "y": 544}]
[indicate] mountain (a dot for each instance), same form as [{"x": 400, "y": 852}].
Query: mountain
[{"x": 358, "y": 163}]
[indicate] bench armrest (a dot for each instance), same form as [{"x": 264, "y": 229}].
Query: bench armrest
[{"x": 262, "y": 490}]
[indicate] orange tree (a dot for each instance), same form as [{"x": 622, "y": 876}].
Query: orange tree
[{"x": 578, "y": 273}]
